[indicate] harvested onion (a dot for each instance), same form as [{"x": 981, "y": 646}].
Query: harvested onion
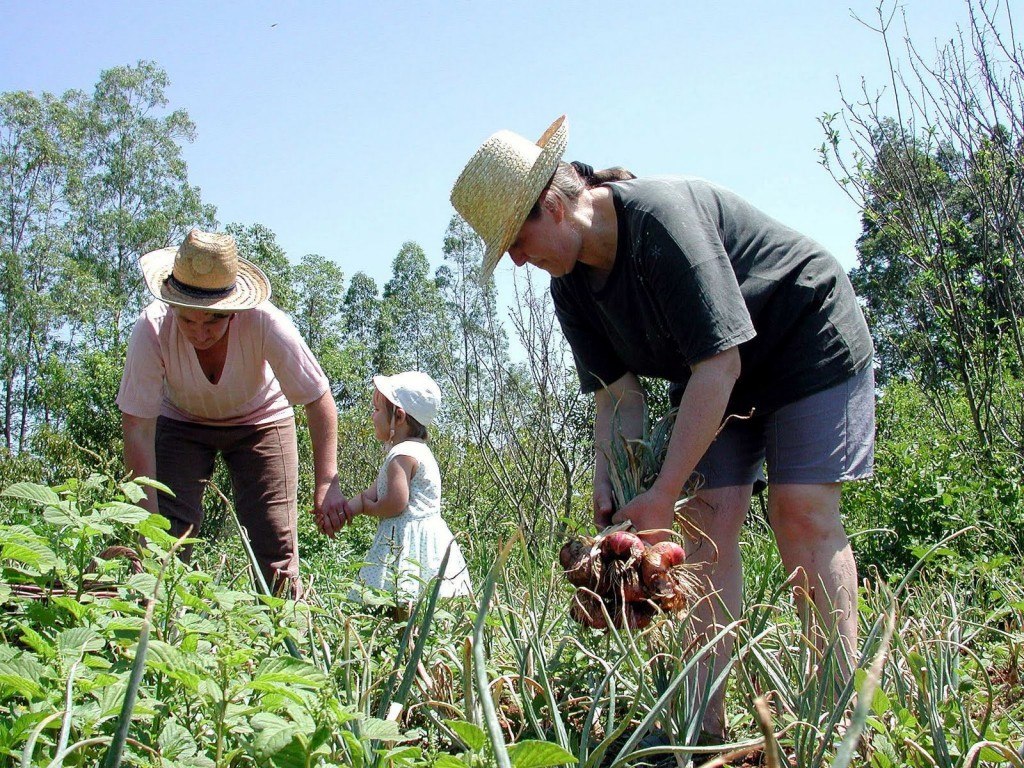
[{"x": 631, "y": 579}]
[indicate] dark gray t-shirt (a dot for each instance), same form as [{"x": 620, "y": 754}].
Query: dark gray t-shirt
[{"x": 699, "y": 270}]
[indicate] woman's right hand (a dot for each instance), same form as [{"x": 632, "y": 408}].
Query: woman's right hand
[{"x": 330, "y": 520}]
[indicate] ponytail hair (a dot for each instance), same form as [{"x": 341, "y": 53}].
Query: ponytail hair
[
  {"x": 592, "y": 178},
  {"x": 570, "y": 179}
]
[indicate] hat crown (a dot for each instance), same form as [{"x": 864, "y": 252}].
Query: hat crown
[
  {"x": 414, "y": 392},
  {"x": 493, "y": 183},
  {"x": 205, "y": 272},
  {"x": 206, "y": 260}
]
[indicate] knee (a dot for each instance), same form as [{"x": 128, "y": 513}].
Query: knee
[
  {"x": 712, "y": 530},
  {"x": 806, "y": 516}
]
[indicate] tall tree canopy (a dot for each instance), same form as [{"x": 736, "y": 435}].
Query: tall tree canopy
[{"x": 936, "y": 170}]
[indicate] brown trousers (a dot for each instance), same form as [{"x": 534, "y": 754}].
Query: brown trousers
[{"x": 263, "y": 462}]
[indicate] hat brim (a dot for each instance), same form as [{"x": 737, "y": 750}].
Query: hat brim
[
  {"x": 252, "y": 287},
  {"x": 552, "y": 144}
]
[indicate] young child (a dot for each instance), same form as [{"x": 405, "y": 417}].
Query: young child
[{"x": 412, "y": 537}]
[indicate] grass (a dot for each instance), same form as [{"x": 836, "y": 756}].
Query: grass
[{"x": 236, "y": 678}]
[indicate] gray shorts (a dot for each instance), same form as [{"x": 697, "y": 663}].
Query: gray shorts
[{"x": 827, "y": 437}]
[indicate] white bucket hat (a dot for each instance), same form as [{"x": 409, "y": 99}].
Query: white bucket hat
[
  {"x": 502, "y": 181},
  {"x": 205, "y": 272},
  {"x": 414, "y": 392}
]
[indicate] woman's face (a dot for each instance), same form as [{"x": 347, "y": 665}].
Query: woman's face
[
  {"x": 202, "y": 329},
  {"x": 547, "y": 242}
]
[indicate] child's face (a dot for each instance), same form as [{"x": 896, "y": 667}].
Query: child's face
[{"x": 381, "y": 417}]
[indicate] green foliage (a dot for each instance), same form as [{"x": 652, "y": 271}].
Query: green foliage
[
  {"x": 941, "y": 251},
  {"x": 217, "y": 688},
  {"x": 259, "y": 245},
  {"x": 926, "y": 486},
  {"x": 412, "y": 331}
]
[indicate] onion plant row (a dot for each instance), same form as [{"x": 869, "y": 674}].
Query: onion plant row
[{"x": 134, "y": 658}]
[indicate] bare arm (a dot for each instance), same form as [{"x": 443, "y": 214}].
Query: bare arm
[
  {"x": 394, "y": 502},
  {"x": 620, "y": 409},
  {"x": 140, "y": 453},
  {"x": 701, "y": 411},
  {"x": 322, "y": 415}
]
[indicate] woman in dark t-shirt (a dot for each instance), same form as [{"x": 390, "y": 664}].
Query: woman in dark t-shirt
[{"x": 680, "y": 279}]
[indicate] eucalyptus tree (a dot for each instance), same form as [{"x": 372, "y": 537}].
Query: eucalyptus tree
[
  {"x": 134, "y": 194},
  {"x": 360, "y": 322},
  {"x": 320, "y": 288},
  {"x": 472, "y": 308},
  {"x": 412, "y": 330},
  {"x": 258, "y": 244},
  {"x": 39, "y": 138}
]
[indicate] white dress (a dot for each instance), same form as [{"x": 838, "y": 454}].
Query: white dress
[{"x": 407, "y": 549}]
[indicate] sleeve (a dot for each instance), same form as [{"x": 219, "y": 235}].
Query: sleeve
[
  {"x": 693, "y": 284},
  {"x": 142, "y": 383},
  {"x": 301, "y": 378},
  {"x": 597, "y": 363}
]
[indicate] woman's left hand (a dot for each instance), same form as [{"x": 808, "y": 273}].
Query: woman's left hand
[{"x": 653, "y": 511}]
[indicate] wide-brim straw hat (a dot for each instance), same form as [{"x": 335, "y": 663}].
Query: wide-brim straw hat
[
  {"x": 205, "y": 272},
  {"x": 502, "y": 181}
]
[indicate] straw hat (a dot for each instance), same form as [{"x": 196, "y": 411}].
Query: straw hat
[
  {"x": 414, "y": 392},
  {"x": 501, "y": 183},
  {"x": 205, "y": 272}
]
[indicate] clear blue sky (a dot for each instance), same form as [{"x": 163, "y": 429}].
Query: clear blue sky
[{"x": 342, "y": 125}]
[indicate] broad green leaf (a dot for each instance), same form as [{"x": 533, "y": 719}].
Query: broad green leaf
[
  {"x": 880, "y": 703},
  {"x": 33, "y": 492},
  {"x": 382, "y": 730},
  {"x": 472, "y": 736},
  {"x": 72, "y": 606},
  {"x": 285, "y": 669},
  {"x": 155, "y": 528},
  {"x": 293, "y": 755},
  {"x": 133, "y": 491},
  {"x": 154, "y": 484},
  {"x": 78, "y": 640},
  {"x": 538, "y": 754},
  {"x": 275, "y": 693},
  {"x": 449, "y": 761},
  {"x": 28, "y": 550},
  {"x": 176, "y": 741},
  {"x": 36, "y": 641},
  {"x": 112, "y": 696},
  {"x": 274, "y": 733},
  {"x": 121, "y": 512},
  {"x": 145, "y": 583},
  {"x": 401, "y": 754},
  {"x": 62, "y": 515},
  {"x": 22, "y": 675}
]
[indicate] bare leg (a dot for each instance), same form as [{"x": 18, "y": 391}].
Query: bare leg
[
  {"x": 719, "y": 513},
  {"x": 811, "y": 537}
]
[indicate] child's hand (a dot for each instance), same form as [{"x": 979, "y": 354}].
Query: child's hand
[{"x": 354, "y": 506}]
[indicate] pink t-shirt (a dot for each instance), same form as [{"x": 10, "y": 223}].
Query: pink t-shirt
[{"x": 268, "y": 368}]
